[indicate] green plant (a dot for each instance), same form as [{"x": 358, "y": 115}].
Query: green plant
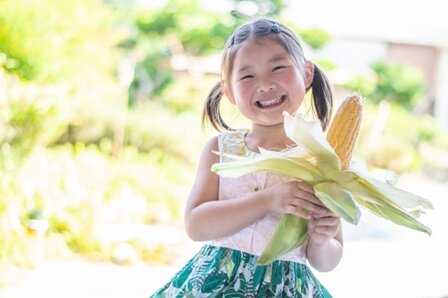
[
  {"x": 315, "y": 37},
  {"x": 395, "y": 83},
  {"x": 27, "y": 123},
  {"x": 49, "y": 44},
  {"x": 396, "y": 155}
]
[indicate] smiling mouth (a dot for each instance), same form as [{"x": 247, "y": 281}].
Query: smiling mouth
[{"x": 270, "y": 102}]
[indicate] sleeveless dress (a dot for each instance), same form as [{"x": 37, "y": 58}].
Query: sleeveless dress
[{"x": 227, "y": 267}]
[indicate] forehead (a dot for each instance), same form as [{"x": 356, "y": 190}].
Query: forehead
[
  {"x": 254, "y": 46},
  {"x": 259, "y": 50}
]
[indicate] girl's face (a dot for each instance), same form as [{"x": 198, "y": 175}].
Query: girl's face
[{"x": 265, "y": 81}]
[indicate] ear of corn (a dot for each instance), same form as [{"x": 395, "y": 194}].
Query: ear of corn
[
  {"x": 291, "y": 231},
  {"x": 339, "y": 190},
  {"x": 345, "y": 127}
]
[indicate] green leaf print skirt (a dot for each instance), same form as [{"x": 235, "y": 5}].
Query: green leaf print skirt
[{"x": 224, "y": 272}]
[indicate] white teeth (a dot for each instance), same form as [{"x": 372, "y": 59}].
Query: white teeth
[{"x": 270, "y": 102}]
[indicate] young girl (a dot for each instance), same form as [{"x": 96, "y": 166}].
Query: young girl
[{"x": 264, "y": 72}]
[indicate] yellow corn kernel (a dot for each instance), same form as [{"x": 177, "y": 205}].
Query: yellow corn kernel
[{"x": 345, "y": 127}]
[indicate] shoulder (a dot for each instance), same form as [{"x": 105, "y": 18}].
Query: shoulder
[
  {"x": 213, "y": 142},
  {"x": 210, "y": 150}
]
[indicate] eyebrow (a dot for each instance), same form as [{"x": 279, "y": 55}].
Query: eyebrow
[
  {"x": 277, "y": 59},
  {"x": 274, "y": 59}
]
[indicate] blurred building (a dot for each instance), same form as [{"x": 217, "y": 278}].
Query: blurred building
[
  {"x": 414, "y": 33},
  {"x": 426, "y": 50}
]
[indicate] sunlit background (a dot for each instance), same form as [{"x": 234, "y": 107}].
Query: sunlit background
[{"x": 100, "y": 133}]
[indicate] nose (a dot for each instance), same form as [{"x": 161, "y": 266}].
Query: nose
[{"x": 266, "y": 85}]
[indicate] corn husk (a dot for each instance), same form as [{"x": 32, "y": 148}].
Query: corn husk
[{"x": 342, "y": 191}]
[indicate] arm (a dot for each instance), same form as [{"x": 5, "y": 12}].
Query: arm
[
  {"x": 325, "y": 244},
  {"x": 207, "y": 218}
]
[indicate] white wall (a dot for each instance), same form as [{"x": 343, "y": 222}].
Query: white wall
[{"x": 353, "y": 57}]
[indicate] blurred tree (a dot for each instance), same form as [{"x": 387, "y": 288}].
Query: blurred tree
[
  {"x": 169, "y": 37},
  {"x": 57, "y": 64},
  {"x": 49, "y": 44},
  {"x": 395, "y": 83},
  {"x": 166, "y": 38},
  {"x": 315, "y": 37},
  {"x": 57, "y": 61}
]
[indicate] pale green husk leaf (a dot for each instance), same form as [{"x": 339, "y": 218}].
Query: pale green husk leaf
[
  {"x": 338, "y": 200},
  {"x": 291, "y": 230}
]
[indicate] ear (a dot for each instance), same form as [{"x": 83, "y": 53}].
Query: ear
[
  {"x": 309, "y": 73},
  {"x": 228, "y": 92}
]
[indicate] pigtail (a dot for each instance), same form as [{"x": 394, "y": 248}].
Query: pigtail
[
  {"x": 210, "y": 112},
  {"x": 322, "y": 97}
]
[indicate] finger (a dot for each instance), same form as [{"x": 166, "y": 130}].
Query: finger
[
  {"x": 311, "y": 207},
  {"x": 300, "y": 212},
  {"x": 305, "y": 187},
  {"x": 310, "y": 197},
  {"x": 326, "y": 213},
  {"x": 328, "y": 221},
  {"x": 327, "y": 231},
  {"x": 309, "y": 204}
]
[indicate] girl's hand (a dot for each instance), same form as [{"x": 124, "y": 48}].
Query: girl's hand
[
  {"x": 296, "y": 198},
  {"x": 322, "y": 229}
]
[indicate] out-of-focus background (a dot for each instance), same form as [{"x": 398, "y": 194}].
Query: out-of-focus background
[{"x": 100, "y": 132}]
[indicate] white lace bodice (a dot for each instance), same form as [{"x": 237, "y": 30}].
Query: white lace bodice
[{"x": 253, "y": 238}]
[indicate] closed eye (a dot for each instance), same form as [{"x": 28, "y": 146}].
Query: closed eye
[
  {"x": 246, "y": 77},
  {"x": 280, "y": 67}
]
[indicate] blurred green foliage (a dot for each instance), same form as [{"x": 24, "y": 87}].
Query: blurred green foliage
[
  {"x": 396, "y": 83},
  {"x": 179, "y": 28},
  {"x": 392, "y": 93},
  {"x": 315, "y": 37},
  {"x": 26, "y": 124},
  {"x": 187, "y": 25},
  {"x": 395, "y": 142},
  {"x": 37, "y": 36}
]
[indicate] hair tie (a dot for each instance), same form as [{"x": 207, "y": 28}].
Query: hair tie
[{"x": 276, "y": 28}]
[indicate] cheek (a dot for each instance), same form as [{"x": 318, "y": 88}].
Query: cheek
[
  {"x": 293, "y": 78},
  {"x": 243, "y": 91}
]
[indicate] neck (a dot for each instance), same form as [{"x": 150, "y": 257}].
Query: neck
[{"x": 267, "y": 137}]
